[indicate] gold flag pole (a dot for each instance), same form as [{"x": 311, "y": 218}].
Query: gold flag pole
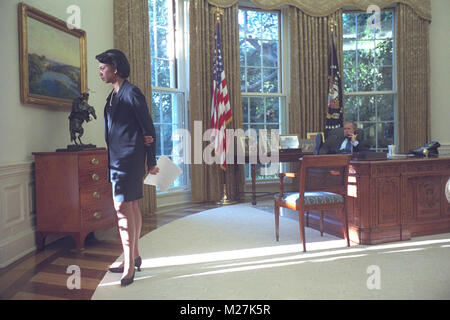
[{"x": 225, "y": 200}]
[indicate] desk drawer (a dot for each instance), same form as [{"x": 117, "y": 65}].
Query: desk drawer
[
  {"x": 93, "y": 161},
  {"x": 98, "y": 215},
  {"x": 96, "y": 196},
  {"x": 93, "y": 177}
]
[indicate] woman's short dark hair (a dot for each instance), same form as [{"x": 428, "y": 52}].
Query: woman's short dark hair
[{"x": 116, "y": 59}]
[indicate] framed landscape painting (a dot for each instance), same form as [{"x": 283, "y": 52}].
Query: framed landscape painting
[{"x": 52, "y": 59}]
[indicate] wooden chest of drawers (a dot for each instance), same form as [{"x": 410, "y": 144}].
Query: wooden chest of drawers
[{"x": 73, "y": 194}]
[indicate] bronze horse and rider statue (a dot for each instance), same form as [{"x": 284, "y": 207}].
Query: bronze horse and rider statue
[{"x": 81, "y": 112}]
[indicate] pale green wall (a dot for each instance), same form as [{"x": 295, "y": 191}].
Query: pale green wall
[
  {"x": 440, "y": 71},
  {"x": 26, "y": 128}
]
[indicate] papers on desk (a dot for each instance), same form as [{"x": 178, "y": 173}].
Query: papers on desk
[{"x": 168, "y": 172}]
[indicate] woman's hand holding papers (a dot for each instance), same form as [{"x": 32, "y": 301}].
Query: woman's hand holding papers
[{"x": 153, "y": 170}]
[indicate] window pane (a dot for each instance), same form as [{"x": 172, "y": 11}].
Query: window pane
[
  {"x": 349, "y": 52},
  {"x": 161, "y": 43},
  {"x": 385, "y": 134},
  {"x": 387, "y": 27},
  {"x": 272, "y": 110},
  {"x": 162, "y": 46},
  {"x": 162, "y": 12},
  {"x": 242, "y": 52},
  {"x": 253, "y": 53},
  {"x": 269, "y": 24},
  {"x": 163, "y": 73},
  {"x": 243, "y": 80},
  {"x": 349, "y": 26},
  {"x": 367, "y": 109},
  {"x": 245, "y": 110},
  {"x": 365, "y": 78},
  {"x": 270, "y": 80},
  {"x": 167, "y": 139},
  {"x": 369, "y": 133},
  {"x": 385, "y": 107},
  {"x": 253, "y": 25},
  {"x": 257, "y": 110},
  {"x": 156, "y": 101},
  {"x": 270, "y": 54},
  {"x": 254, "y": 80},
  {"x": 351, "y": 107},
  {"x": 383, "y": 52},
  {"x": 166, "y": 108},
  {"x": 158, "y": 140},
  {"x": 365, "y": 53},
  {"x": 363, "y": 30},
  {"x": 384, "y": 79}
]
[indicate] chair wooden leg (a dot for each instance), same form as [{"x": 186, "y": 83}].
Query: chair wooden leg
[
  {"x": 321, "y": 223},
  {"x": 302, "y": 229},
  {"x": 345, "y": 223},
  {"x": 277, "y": 222}
]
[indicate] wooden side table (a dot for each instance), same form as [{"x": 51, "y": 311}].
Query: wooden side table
[{"x": 73, "y": 194}]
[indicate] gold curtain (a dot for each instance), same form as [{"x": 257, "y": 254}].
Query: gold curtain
[
  {"x": 207, "y": 180},
  {"x": 131, "y": 35},
  {"x": 321, "y": 8},
  {"x": 413, "y": 72},
  {"x": 310, "y": 42}
]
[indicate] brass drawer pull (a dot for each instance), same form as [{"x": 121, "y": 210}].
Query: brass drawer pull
[
  {"x": 95, "y": 177},
  {"x": 96, "y": 195},
  {"x": 97, "y": 215},
  {"x": 94, "y": 161}
]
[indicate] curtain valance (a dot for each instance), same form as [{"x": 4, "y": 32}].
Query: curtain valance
[{"x": 320, "y": 8}]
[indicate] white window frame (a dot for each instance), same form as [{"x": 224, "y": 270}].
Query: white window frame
[
  {"x": 283, "y": 82},
  {"x": 394, "y": 91},
  {"x": 181, "y": 82}
]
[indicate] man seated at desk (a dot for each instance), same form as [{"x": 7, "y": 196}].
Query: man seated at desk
[{"x": 348, "y": 139}]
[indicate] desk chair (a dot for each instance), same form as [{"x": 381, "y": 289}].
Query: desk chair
[{"x": 323, "y": 185}]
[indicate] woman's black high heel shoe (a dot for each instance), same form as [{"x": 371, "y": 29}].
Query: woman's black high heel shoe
[
  {"x": 137, "y": 263},
  {"x": 126, "y": 281}
]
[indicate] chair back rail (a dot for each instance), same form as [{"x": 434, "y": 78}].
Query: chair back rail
[{"x": 327, "y": 173}]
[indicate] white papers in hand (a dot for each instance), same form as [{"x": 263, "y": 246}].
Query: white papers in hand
[{"x": 168, "y": 172}]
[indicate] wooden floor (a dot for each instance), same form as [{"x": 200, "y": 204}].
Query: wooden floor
[{"x": 44, "y": 275}]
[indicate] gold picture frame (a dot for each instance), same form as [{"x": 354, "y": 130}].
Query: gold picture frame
[
  {"x": 52, "y": 57},
  {"x": 289, "y": 141},
  {"x": 307, "y": 145},
  {"x": 312, "y": 136}
]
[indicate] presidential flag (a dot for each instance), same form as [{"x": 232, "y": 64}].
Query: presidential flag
[
  {"x": 220, "y": 107},
  {"x": 334, "y": 114}
]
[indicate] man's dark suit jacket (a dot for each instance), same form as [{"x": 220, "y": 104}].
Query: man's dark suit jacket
[
  {"x": 335, "y": 138},
  {"x": 130, "y": 121}
]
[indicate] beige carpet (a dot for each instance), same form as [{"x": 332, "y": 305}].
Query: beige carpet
[{"x": 231, "y": 253}]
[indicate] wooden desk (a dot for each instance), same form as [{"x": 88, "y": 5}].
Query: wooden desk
[
  {"x": 392, "y": 200},
  {"x": 284, "y": 156}
]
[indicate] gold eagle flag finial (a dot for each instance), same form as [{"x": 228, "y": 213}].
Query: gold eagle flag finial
[
  {"x": 218, "y": 12},
  {"x": 333, "y": 24}
]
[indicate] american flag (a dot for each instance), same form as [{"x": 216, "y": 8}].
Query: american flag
[{"x": 220, "y": 107}]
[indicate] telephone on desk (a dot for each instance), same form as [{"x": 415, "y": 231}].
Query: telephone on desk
[{"x": 430, "y": 149}]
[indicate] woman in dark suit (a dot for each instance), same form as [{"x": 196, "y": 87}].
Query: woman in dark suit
[{"x": 130, "y": 137}]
